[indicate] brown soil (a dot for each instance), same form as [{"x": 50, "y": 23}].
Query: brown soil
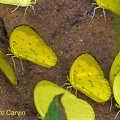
[{"x": 66, "y": 26}]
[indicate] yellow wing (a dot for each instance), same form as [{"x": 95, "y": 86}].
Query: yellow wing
[
  {"x": 7, "y": 69},
  {"x": 114, "y": 69},
  {"x": 113, "y": 5},
  {"x": 76, "y": 109},
  {"x": 22, "y": 3},
  {"x": 116, "y": 88},
  {"x": 25, "y": 43},
  {"x": 87, "y": 76}
]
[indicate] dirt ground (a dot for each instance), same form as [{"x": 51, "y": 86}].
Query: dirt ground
[{"x": 66, "y": 26}]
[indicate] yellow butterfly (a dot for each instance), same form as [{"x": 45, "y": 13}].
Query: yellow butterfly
[
  {"x": 114, "y": 78},
  {"x": 25, "y": 43},
  {"x": 22, "y": 3},
  {"x": 75, "y": 109},
  {"x": 7, "y": 69},
  {"x": 113, "y": 5},
  {"x": 116, "y": 89},
  {"x": 115, "y": 68},
  {"x": 86, "y": 76}
]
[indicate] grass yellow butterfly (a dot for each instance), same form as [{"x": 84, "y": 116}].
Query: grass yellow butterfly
[
  {"x": 20, "y": 3},
  {"x": 113, "y": 5},
  {"x": 114, "y": 77},
  {"x": 86, "y": 76},
  {"x": 76, "y": 109},
  {"x": 7, "y": 69},
  {"x": 114, "y": 69},
  {"x": 25, "y": 43},
  {"x": 116, "y": 91}
]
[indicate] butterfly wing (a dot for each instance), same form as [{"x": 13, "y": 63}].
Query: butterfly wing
[
  {"x": 87, "y": 76},
  {"x": 25, "y": 43},
  {"x": 76, "y": 109},
  {"x": 116, "y": 88},
  {"x": 7, "y": 69},
  {"x": 22, "y": 3},
  {"x": 113, "y": 5},
  {"x": 115, "y": 68}
]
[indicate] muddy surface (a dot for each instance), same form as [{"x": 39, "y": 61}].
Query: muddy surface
[{"x": 66, "y": 26}]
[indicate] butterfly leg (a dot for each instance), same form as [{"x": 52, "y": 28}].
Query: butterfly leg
[
  {"x": 16, "y": 7},
  {"x": 13, "y": 61},
  {"x": 69, "y": 87},
  {"x": 32, "y": 7},
  {"x": 104, "y": 14},
  {"x": 94, "y": 12},
  {"x": 111, "y": 104},
  {"x": 117, "y": 115},
  {"x": 65, "y": 84},
  {"x": 22, "y": 64}
]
